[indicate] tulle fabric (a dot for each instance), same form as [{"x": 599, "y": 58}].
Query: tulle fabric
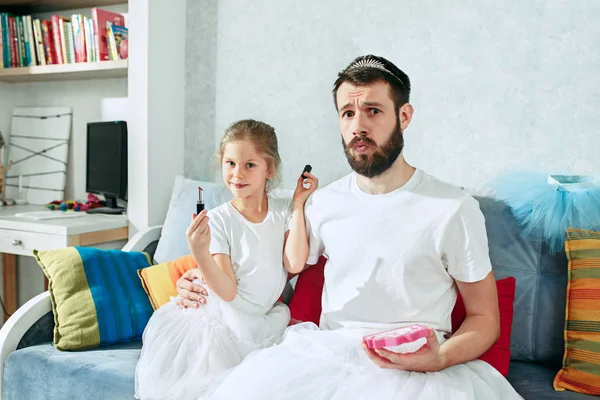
[
  {"x": 331, "y": 365},
  {"x": 186, "y": 350},
  {"x": 547, "y": 210}
]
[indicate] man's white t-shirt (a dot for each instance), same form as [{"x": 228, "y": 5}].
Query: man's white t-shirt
[
  {"x": 256, "y": 250},
  {"x": 393, "y": 258}
]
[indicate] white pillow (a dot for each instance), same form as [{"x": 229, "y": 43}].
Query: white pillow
[{"x": 172, "y": 243}]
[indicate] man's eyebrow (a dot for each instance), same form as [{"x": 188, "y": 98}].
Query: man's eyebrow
[
  {"x": 347, "y": 105},
  {"x": 372, "y": 104},
  {"x": 362, "y": 104}
]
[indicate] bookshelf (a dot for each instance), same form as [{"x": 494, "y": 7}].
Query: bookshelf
[
  {"x": 89, "y": 69},
  {"x": 55, "y": 72}
]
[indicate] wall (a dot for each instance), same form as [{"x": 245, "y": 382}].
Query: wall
[
  {"x": 200, "y": 87},
  {"x": 496, "y": 85},
  {"x": 156, "y": 94}
]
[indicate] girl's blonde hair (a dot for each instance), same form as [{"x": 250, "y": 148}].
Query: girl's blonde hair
[{"x": 262, "y": 138}]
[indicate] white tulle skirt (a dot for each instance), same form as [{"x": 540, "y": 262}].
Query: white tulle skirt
[
  {"x": 331, "y": 365},
  {"x": 184, "y": 351}
]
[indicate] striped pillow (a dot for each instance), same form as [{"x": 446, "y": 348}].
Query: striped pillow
[
  {"x": 96, "y": 296},
  {"x": 581, "y": 361},
  {"x": 160, "y": 281}
]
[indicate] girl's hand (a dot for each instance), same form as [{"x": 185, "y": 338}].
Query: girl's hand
[
  {"x": 198, "y": 234},
  {"x": 301, "y": 193}
]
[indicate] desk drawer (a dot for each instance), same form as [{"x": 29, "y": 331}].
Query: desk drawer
[{"x": 23, "y": 243}]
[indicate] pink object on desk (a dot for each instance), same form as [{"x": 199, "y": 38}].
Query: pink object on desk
[{"x": 396, "y": 337}]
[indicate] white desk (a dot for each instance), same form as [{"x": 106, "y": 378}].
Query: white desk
[{"x": 20, "y": 236}]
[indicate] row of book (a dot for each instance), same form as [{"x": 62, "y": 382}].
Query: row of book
[{"x": 27, "y": 41}]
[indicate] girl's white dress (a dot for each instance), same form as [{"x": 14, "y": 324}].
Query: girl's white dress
[{"x": 185, "y": 350}]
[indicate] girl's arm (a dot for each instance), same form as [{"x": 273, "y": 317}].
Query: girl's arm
[
  {"x": 295, "y": 248},
  {"x": 216, "y": 269},
  {"x": 217, "y": 274}
]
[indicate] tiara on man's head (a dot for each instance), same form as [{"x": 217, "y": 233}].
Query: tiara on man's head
[{"x": 369, "y": 62}]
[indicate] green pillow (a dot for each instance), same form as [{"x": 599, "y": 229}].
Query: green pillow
[{"x": 96, "y": 295}]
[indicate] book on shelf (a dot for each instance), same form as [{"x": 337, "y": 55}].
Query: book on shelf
[{"x": 27, "y": 41}]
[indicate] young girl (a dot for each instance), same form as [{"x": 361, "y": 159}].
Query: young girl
[{"x": 240, "y": 249}]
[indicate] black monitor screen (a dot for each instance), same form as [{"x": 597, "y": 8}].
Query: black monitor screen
[{"x": 107, "y": 158}]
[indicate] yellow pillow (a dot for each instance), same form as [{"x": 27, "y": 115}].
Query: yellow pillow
[
  {"x": 159, "y": 281},
  {"x": 581, "y": 361}
]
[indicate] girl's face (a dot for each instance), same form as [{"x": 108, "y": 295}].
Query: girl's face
[{"x": 245, "y": 171}]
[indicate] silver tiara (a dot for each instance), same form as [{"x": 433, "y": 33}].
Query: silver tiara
[{"x": 372, "y": 63}]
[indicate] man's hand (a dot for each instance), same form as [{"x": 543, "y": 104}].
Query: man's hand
[
  {"x": 192, "y": 295},
  {"x": 427, "y": 359}
]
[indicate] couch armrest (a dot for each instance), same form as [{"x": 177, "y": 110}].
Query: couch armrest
[
  {"x": 142, "y": 239},
  {"x": 19, "y": 323}
]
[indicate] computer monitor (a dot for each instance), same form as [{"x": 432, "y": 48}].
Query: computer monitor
[{"x": 106, "y": 164}]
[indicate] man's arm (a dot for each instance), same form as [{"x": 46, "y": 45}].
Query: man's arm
[
  {"x": 476, "y": 335},
  {"x": 481, "y": 327}
]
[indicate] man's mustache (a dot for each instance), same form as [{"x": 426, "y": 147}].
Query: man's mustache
[{"x": 363, "y": 139}]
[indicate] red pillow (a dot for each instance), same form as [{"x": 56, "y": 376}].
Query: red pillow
[
  {"x": 498, "y": 356},
  {"x": 305, "y": 305}
]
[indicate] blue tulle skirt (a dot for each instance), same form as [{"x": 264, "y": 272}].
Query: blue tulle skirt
[{"x": 547, "y": 205}]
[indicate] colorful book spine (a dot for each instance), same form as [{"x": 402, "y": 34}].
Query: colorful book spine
[
  {"x": 56, "y": 39},
  {"x": 49, "y": 50},
  {"x": 39, "y": 42},
  {"x": 5, "y": 40}
]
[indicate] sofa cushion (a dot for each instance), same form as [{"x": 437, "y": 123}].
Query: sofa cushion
[
  {"x": 305, "y": 304},
  {"x": 96, "y": 295},
  {"x": 541, "y": 279},
  {"x": 160, "y": 281},
  {"x": 42, "y": 372},
  {"x": 172, "y": 243},
  {"x": 534, "y": 381},
  {"x": 581, "y": 362}
]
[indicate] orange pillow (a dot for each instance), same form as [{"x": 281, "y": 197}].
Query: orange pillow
[
  {"x": 159, "y": 281},
  {"x": 580, "y": 370}
]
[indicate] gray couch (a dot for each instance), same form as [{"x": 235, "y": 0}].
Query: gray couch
[{"x": 38, "y": 371}]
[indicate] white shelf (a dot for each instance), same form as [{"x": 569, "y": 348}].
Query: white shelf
[{"x": 65, "y": 72}]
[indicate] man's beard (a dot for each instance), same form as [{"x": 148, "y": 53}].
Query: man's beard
[{"x": 383, "y": 157}]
